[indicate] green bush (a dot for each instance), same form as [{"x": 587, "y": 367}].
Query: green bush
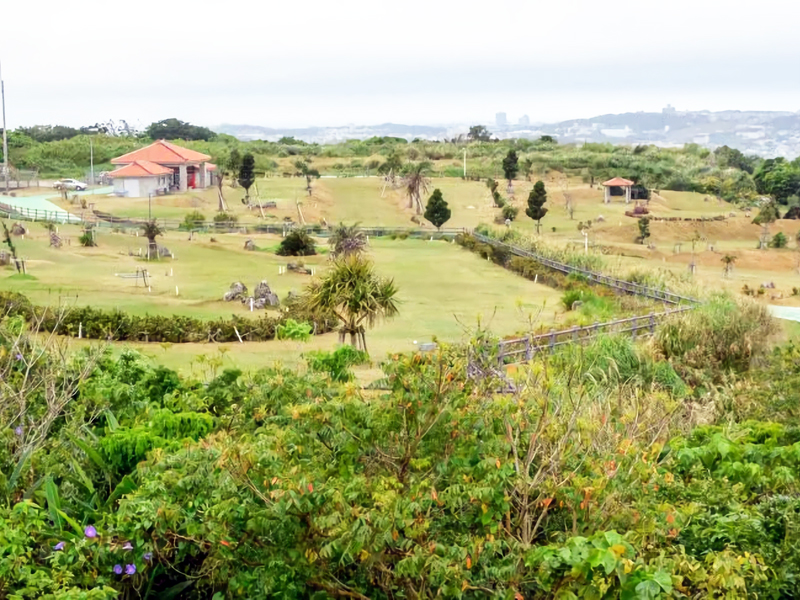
[
  {"x": 336, "y": 364},
  {"x": 297, "y": 243},
  {"x": 86, "y": 239},
  {"x": 194, "y": 219},
  {"x": 292, "y": 330},
  {"x": 720, "y": 336},
  {"x": 510, "y": 212}
]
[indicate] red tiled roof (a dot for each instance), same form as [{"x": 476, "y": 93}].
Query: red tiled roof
[
  {"x": 162, "y": 152},
  {"x": 141, "y": 168},
  {"x": 617, "y": 181},
  {"x": 211, "y": 167}
]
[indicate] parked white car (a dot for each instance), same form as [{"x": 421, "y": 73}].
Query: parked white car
[{"x": 69, "y": 184}]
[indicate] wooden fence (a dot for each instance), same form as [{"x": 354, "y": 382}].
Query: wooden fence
[
  {"x": 523, "y": 349},
  {"x": 621, "y": 285}
]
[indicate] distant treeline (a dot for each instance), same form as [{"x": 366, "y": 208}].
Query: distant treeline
[{"x": 725, "y": 172}]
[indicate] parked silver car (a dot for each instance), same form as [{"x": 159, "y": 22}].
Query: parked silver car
[{"x": 69, "y": 184}]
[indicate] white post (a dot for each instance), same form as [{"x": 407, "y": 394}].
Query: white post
[
  {"x": 80, "y": 330},
  {"x": 465, "y": 163},
  {"x": 251, "y": 305},
  {"x": 176, "y": 290}
]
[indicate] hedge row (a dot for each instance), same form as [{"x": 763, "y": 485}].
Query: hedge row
[
  {"x": 95, "y": 323},
  {"x": 527, "y": 267}
]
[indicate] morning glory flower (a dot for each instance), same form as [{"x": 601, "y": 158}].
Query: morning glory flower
[
  {"x": 19, "y": 356},
  {"x": 127, "y": 546},
  {"x": 130, "y": 569},
  {"x": 118, "y": 569},
  {"x": 148, "y": 556},
  {"x": 59, "y": 546},
  {"x": 90, "y": 531},
  {"x": 18, "y": 430}
]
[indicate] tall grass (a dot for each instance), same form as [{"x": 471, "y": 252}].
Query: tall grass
[{"x": 722, "y": 336}]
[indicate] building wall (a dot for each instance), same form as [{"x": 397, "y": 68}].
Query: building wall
[{"x": 128, "y": 185}]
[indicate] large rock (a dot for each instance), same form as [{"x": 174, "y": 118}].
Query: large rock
[
  {"x": 238, "y": 291},
  {"x": 249, "y": 245},
  {"x": 263, "y": 292}
]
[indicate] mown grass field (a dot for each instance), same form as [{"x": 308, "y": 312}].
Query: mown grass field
[{"x": 443, "y": 288}]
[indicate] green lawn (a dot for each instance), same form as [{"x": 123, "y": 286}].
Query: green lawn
[{"x": 443, "y": 288}]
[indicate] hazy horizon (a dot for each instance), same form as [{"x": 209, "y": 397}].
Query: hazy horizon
[{"x": 355, "y": 62}]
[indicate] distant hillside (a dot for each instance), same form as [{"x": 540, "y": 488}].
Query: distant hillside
[{"x": 766, "y": 134}]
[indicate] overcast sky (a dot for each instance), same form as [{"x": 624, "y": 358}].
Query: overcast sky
[{"x": 325, "y": 62}]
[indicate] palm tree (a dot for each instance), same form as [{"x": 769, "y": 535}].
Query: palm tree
[
  {"x": 346, "y": 240},
  {"x": 728, "y": 261},
  {"x": 151, "y": 230},
  {"x": 357, "y": 295},
  {"x": 416, "y": 182}
]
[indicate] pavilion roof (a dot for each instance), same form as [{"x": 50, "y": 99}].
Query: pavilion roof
[{"x": 617, "y": 181}]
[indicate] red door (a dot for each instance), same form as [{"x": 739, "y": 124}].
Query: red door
[{"x": 191, "y": 175}]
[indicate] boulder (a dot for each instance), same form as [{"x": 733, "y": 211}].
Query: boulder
[
  {"x": 238, "y": 291},
  {"x": 265, "y": 294},
  {"x": 18, "y": 229},
  {"x": 249, "y": 245},
  {"x": 164, "y": 252}
]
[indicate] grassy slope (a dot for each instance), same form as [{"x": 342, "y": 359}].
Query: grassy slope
[{"x": 440, "y": 284}]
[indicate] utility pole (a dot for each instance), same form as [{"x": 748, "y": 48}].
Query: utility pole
[
  {"x": 91, "y": 162},
  {"x": 5, "y": 134}
]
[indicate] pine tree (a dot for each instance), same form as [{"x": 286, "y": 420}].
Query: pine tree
[
  {"x": 247, "y": 175},
  {"x": 437, "y": 212},
  {"x": 536, "y": 200},
  {"x": 510, "y": 167}
]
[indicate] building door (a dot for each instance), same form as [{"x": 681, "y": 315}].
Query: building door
[{"x": 192, "y": 173}]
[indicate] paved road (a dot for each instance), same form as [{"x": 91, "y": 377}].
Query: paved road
[
  {"x": 41, "y": 202},
  {"x": 789, "y": 313}
]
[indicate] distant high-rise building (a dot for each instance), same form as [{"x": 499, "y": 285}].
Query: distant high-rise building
[
  {"x": 524, "y": 120},
  {"x": 668, "y": 110},
  {"x": 500, "y": 119}
]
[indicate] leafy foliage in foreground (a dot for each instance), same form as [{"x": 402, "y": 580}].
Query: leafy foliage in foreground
[{"x": 121, "y": 479}]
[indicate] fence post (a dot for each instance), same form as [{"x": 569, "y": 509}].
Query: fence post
[
  {"x": 552, "y": 343},
  {"x": 652, "y": 324},
  {"x": 633, "y": 329},
  {"x": 575, "y": 331},
  {"x": 528, "y": 349}
]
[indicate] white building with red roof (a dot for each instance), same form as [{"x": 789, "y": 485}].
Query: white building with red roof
[{"x": 160, "y": 168}]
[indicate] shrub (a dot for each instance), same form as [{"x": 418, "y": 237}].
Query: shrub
[
  {"x": 195, "y": 219},
  {"x": 779, "y": 240},
  {"x": 715, "y": 338},
  {"x": 225, "y": 219},
  {"x": 510, "y": 212},
  {"x": 87, "y": 239},
  {"x": 297, "y": 243},
  {"x": 336, "y": 364},
  {"x": 292, "y": 330},
  {"x": 572, "y": 296}
]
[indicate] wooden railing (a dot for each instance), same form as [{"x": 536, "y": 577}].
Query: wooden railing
[
  {"x": 523, "y": 349},
  {"x": 627, "y": 287}
]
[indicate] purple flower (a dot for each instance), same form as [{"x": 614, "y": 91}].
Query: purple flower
[
  {"x": 130, "y": 569},
  {"x": 127, "y": 546},
  {"x": 148, "y": 556},
  {"x": 19, "y": 357},
  {"x": 18, "y": 430},
  {"x": 59, "y": 546},
  {"x": 90, "y": 531},
  {"x": 118, "y": 569}
]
